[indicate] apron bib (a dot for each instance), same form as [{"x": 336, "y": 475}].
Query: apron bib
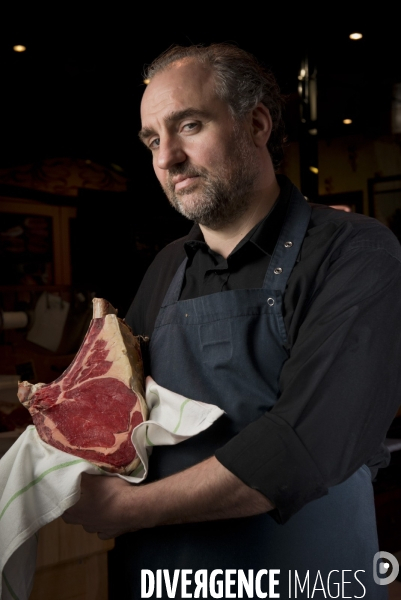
[{"x": 228, "y": 349}]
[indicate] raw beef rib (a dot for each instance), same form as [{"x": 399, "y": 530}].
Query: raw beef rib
[{"x": 92, "y": 408}]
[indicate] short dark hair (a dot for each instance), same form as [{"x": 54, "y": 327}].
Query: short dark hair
[{"x": 240, "y": 81}]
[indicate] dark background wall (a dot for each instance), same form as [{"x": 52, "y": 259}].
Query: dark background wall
[{"x": 76, "y": 92}]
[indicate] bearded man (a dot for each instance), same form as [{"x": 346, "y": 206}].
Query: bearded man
[{"x": 283, "y": 313}]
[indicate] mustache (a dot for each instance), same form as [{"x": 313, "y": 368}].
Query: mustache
[{"x": 186, "y": 170}]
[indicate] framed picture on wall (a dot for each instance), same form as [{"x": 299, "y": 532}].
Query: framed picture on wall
[
  {"x": 385, "y": 201},
  {"x": 34, "y": 243}
]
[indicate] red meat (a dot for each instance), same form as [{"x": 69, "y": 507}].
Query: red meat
[{"x": 91, "y": 410}]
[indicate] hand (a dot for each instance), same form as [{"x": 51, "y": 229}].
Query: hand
[{"x": 105, "y": 506}]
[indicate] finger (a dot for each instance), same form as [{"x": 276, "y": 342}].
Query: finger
[
  {"x": 89, "y": 529},
  {"x": 67, "y": 518},
  {"x": 104, "y": 536}
]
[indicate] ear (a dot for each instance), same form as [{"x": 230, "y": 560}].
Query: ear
[{"x": 261, "y": 123}]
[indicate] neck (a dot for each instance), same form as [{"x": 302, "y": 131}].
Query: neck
[{"x": 225, "y": 239}]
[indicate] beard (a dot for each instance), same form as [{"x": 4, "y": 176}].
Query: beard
[{"x": 217, "y": 198}]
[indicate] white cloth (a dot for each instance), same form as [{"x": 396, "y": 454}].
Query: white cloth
[{"x": 38, "y": 482}]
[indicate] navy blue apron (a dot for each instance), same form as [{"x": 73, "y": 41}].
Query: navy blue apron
[{"x": 228, "y": 349}]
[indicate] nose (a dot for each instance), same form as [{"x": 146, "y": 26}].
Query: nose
[{"x": 170, "y": 153}]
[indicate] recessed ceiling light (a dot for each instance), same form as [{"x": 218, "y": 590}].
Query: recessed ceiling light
[
  {"x": 19, "y": 48},
  {"x": 355, "y": 36},
  {"x": 313, "y": 131},
  {"x": 347, "y": 121},
  {"x": 314, "y": 170},
  {"x": 146, "y": 81}
]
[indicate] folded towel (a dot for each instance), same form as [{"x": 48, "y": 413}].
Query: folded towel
[{"x": 38, "y": 483}]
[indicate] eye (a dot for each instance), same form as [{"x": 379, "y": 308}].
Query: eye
[
  {"x": 154, "y": 144},
  {"x": 190, "y": 126}
]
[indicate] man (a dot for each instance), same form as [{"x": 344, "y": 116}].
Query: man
[{"x": 285, "y": 315}]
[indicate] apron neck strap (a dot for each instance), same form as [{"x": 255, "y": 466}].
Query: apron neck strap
[
  {"x": 289, "y": 242},
  {"x": 174, "y": 290}
]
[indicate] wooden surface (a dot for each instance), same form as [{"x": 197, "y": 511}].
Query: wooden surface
[
  {"x": 81, "y": 579},
  {"x": 59, "y": 542},
  {"x": 71, "y": 564},
  {"x": 47, "y": 365}
]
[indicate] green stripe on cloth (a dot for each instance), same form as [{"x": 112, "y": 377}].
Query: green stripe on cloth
[
  {"x": 181, "y": 411},
  {"x": 137, "y": 471},
  {"x": 10, "y": 589},
  {"x": 149, "y": 443},
  {"x": 38, "y": 479},
  {"x": 155, "y": 393}
]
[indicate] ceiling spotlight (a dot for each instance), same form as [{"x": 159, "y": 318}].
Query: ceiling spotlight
[
  {"x": 347, "y": 121},
  {"x": 19, "y": 48},
  {"x": 314, "y": 170},
  {"x": 355, "y": 36},
  {"x": 313, "y": 131},
  {"x": 146, "y": 81}
]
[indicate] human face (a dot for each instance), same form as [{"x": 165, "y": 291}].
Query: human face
[{"x": 202, "y": 157}]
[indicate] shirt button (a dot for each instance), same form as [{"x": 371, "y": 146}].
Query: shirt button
[
  {"x": 270, "y": 301},
  {"x": 278, "y": 270},
  {"x": 288, "y": 245}
]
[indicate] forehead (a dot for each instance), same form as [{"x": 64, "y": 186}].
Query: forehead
[{"x": 184, "y": 84}]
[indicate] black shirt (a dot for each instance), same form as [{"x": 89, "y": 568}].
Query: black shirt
[{"x": 340, "y": 387}]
